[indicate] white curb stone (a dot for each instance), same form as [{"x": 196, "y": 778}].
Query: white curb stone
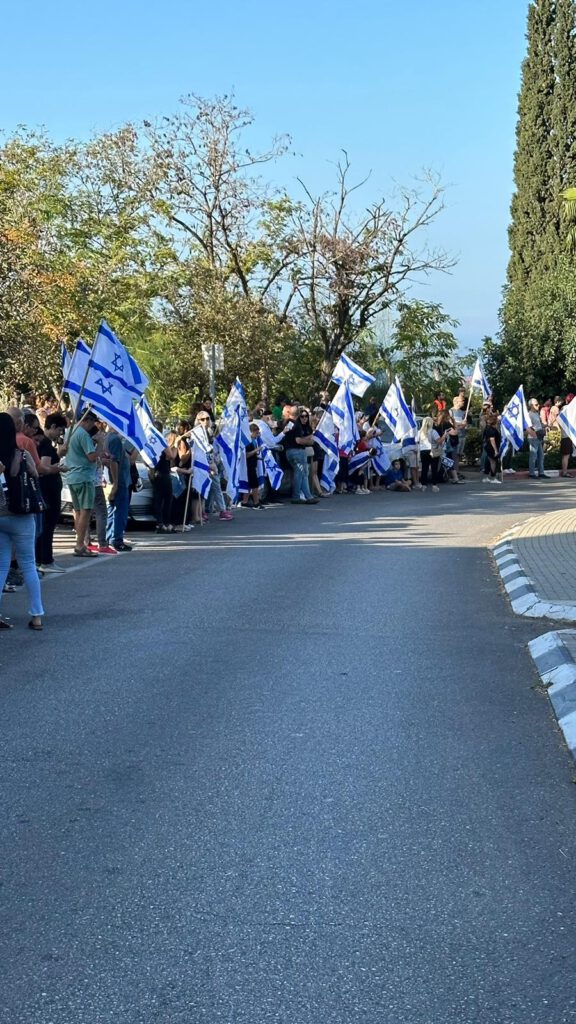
[{"x": 557, "y": 669}]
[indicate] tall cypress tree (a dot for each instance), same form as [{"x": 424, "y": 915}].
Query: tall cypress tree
[
  {"x": 533, "y": 208},
  {"x": 564, "y": 107}
]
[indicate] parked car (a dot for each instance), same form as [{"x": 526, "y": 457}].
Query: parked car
[{"x": 141, "y": 505}]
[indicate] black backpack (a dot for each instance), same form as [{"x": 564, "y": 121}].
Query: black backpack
[{"x": 23, "y": 492}]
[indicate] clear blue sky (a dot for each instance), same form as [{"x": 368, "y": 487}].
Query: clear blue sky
[{"x": 400, "y": 86}]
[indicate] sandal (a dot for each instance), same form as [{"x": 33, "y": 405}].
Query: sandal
[
  {"x": 5, "y": 625},
  {"x": 84, "y": 553},
  {"x": 36, "y": 626}
]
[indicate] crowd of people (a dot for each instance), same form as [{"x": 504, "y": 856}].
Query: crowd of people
[{"x": 41, "y": 446}]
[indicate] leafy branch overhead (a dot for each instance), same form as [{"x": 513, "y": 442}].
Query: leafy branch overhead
[{"x": 173, "y": 231}]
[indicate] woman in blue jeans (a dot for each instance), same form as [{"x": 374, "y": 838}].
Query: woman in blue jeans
[{"x": 17, "y": 531}]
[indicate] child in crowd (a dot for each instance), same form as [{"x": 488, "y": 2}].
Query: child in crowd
[
  {"x": 394, "y": 478},
  {"x": 252, "y": 453}
]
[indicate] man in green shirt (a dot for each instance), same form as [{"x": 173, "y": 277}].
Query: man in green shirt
[{"x": 81, "y": 459}]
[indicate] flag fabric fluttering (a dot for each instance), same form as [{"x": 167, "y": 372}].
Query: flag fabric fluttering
[
  {"x": 273, "y": 472},
  {"x": 514, "y": 422},
  {"x": 110, "y": 356},
  {"x": 154, "y": 441},
  {"x": 325, "y": 436},
  {"x": 346, "y": 370},
  {"x": 229, "y": 444},
  {"x": 568, "y": 419},
  {"x": 380, "y": 460},
  {"x": 104, "y": 393},
  {"x": 479, "y": 381},
  {"x": 342, "y": 409},
  {"x": 397, "y": 413},
  {"x": 358, "y": 461}
]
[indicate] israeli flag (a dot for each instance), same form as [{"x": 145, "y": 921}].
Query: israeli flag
[
  {"x": 229, "y": 443},
  {"x": 397, "y": 413},
  {"x": 242, "y": 472},
  {"x": 380, "y": 460},
  {"x": 201, "y": 476},
  {"x": 330, "y": 467},
  {"x": 325, "y": 436},
  {"x": 568, "y": 420},
  {"x": 478, "y": 380},
  {"x": 515, "y": 421},
  {"x": 237, "y": 399},
  {"x": 358, "y": 461},
  {"x": 342, "y": 409},
  {"x": 105, "y": 394},
  {"x": 346, "y": 370},
  {"x": 109, "y": 356},
  {"x": 272, "y": 469},
  {"x": 153, "y": 442}
]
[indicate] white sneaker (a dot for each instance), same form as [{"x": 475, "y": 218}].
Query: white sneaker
[
  {"x": 53, "y": 567},
  {"x": 434, "y": 488},
  {"x": 485, "y": 479},
  {"x": 495, "y": 480},
  {"x": 508, "y": 471}
]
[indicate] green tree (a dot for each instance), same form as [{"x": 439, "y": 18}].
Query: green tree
[
  {"x": 534, "y": 210},
  {"x": 423, "y": 351}
]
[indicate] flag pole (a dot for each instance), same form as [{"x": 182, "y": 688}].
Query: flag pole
[{"x": 76, "y": 421}]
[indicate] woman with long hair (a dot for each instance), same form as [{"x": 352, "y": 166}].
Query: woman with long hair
[{"x": 17, "y": 530}]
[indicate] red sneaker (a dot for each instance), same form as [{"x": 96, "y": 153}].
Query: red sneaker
[
  {"x": 92, "y": 547},
  {"x": 107, "y": 550},
  {"x": 226, "y": 515}
]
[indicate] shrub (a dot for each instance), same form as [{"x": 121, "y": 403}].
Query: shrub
[{"x": 472, "y": 446}]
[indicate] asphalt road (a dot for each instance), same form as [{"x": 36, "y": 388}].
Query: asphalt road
[{"x": 294, "y": 769}]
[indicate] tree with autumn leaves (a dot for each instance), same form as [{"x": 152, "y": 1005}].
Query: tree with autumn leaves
[{"x": 172, "y": 231}]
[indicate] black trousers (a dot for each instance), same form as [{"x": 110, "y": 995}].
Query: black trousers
[
  {"x": 44, "y": 543},
  {"x": 429, "y": 467},
  {"x": 162, "y": 486}
]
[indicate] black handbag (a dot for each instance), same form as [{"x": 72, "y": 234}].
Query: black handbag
[{"x": 23, "y": 495}]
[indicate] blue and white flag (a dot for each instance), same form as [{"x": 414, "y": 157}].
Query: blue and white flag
[
  {"x": 568, "y": 420},
  {"x": 325, "y": 436},
  {"x": 515, "y": 421},
  {"x": 397, "y": 413},
  {"x": 346, "y": 370},
  {"x": 380, "y": 460},
  {"x": 358, "y": 461},
  {"x": 342, "y": 409},
  {"x": 105, "y": 394},
  {"x": 237, "y": 399},
  {"x": 154, "y": 441},
  {"x": 201, "y": 476},
  {"x": 272, "y": 469},
  {"x": 228, "y": 441},
  {"x": 478, "y": 380},
  {"x": 110, "y": 357}
]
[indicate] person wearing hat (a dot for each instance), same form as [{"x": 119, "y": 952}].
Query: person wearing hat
[{"x": 566, "y": 448}]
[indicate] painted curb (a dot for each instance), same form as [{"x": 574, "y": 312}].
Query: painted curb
[
  {"x": 521, "y": 590},
  {"x": 557, "y": 670}
]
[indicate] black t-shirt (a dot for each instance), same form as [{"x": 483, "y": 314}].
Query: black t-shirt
[
  {"x": 49, "y": 485},
  {"x": 163, "y": 465},
  {"x": 298, "y": 430},
  {"x": 488, "y": 433}
]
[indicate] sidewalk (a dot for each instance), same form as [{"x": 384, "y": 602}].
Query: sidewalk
[{"x": 537, "y": 563}]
